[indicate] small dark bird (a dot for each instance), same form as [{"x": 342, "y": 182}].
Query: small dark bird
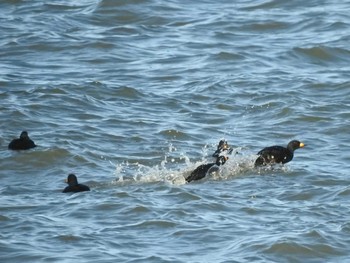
[
  {"x": 222, "y": 146},
  {"x": 204, "y": 169},
  {"x": 73, "y": 185},
  {"x": 278, "y": 154},
  {"x": 22, "y": 143}
]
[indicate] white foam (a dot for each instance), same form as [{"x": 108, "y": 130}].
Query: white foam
[{"x": 168, "y": 171}]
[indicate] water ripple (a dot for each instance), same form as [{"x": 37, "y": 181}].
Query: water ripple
[{"x": 132, "y": 96}]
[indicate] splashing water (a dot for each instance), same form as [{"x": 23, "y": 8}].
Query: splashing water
[{"x": 174, "y": 172}]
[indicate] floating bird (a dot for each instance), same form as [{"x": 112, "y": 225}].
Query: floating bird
[
  {"x": 73, "y": 185},
  {"x": 204, "y": 169},
  {"x": 22, "y": 143},
  {"x": 278, "y": 154},
  {"x": 222, "y": 146}
]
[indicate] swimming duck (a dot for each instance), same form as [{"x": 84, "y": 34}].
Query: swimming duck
[
  {"x": 73, "y": 185},
  {"x": 22, "y": 143},
  {"x": 278, "y": 154},
  {"x": 222, "y": 146},
  {"x": 204, "y": 169}
]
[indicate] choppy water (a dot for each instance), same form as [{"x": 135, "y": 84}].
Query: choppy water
[{"x": 133, "y": 95}]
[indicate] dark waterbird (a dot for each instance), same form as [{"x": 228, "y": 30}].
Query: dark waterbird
[
  {"x": 222, "y": 147},
  {"x": 74, "y": 186},
  {"x": 22, "y": 143},
  {"x": 278, "y": 154},
  {"x": 204, "y": 169}
]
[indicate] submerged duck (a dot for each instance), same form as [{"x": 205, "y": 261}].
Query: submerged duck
[
  {"x": 278, "y": 154},
  {"x": 222, "y": 146},
  {"x": 204, "y": 169},
  {"x": 22, "y": 143},
  {"x": 73, "y": 185}
]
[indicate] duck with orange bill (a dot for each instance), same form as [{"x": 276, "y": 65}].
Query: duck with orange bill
[{"x": 278, "y": 154}]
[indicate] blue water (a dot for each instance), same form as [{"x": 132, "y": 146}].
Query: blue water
[{"x": 131, "y": 96}]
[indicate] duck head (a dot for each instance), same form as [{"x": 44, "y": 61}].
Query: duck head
[
  {"x": 222, "y": 146},
  {"x": 24, "y": 135},
  {"x": 293, "y": 145},
  {"x": 72, "y": 180}
]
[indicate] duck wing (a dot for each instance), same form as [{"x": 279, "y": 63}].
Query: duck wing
[{"x": 200, "y": 172}]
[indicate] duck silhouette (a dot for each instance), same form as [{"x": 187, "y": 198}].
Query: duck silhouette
[
  {"x": 278, "y": 154},
  {"x": 204, "y": 169},
  {"x": 22, "y": 143},
  {"x": 222, "y": 147},
  {"x": 74, "y": 186}
]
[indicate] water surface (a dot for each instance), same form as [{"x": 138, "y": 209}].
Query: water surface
[{"x": 131, "y": 96}]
